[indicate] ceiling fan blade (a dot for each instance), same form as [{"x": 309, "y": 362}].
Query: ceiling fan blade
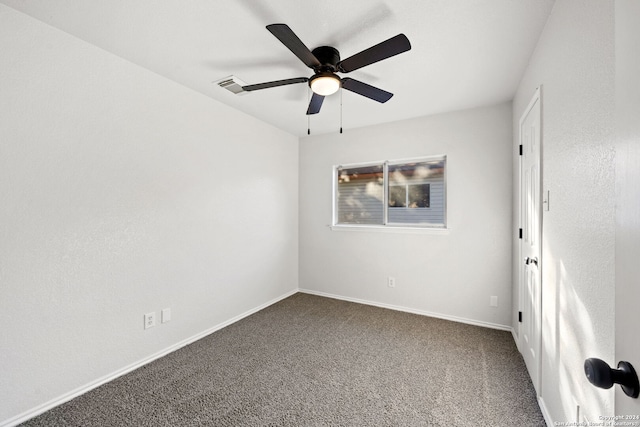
[
  {"x": 364, "y": 89},
  {"x": 275, "y": 83},
  {"x": 295, "y": 45},
  {"x": 315, "y": 104},
  {"x": 386, "y": 49}
]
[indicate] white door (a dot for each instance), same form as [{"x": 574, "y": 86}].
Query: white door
[
  {"x": 627, "y": 199},
  {"x": 530, "y": 248}
]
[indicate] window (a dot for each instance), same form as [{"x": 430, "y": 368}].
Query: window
[
  {"x": 407, "y": 193},
  {"x": 360, "y": 195}
]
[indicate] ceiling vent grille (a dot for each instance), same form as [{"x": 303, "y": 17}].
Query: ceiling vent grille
[{"x": 232, "y": 84}]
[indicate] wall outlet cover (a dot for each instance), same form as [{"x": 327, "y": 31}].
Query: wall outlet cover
[{"x": 150, "y": 320}]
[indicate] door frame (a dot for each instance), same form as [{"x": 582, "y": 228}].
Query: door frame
[
  {"x": 537, "y": 97},
  {"x": 627, "y": 171}
]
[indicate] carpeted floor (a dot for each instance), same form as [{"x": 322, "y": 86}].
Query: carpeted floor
[{"x": 313, "y": 361}]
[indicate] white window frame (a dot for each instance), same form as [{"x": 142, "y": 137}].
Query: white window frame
[{"x": 386, "y": 226}]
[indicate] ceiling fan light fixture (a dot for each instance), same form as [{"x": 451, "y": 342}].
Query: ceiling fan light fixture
[
  {"x": 325, "y": 62},
  {"x": 325, "y": 84}
]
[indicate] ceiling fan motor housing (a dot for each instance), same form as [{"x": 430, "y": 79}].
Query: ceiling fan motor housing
[{"x": 328, "y": 57}]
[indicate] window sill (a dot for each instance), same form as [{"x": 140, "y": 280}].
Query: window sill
[{"x": 390, "y": 229}]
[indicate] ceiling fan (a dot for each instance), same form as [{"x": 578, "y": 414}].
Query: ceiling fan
[{"x": 325, "y": 62}]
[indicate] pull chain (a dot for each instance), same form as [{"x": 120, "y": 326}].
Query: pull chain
[
  {"x": 308, "y": 115},
  {"x": 340, "y": 109}
]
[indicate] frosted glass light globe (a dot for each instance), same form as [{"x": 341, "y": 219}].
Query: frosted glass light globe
[{"x": 325, "y": 84}]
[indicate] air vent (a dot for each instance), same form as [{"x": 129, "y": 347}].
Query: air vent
[{"x": 232, "y": 84}]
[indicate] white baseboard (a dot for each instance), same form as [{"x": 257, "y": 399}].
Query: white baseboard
[
  {"x": 14, "y": 421},
  {"x": 412, "y": 310},
  {"x": 515, "y": 339},
  {"x": 545, "y": 412},
  {"x": 110, "y": 377}
]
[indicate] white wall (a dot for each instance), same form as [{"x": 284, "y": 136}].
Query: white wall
[
  {"x": 574, "y": 61},
  {"x": 451, "y": 274},
  {"x": 124, "y": 193}
]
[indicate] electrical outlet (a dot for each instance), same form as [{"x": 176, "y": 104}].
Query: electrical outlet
[
  {"x": 150, "y": 320},
  {"x": 494, "y": 301},
  {"x": 165, "y": 315},
  {"x": 391, "y": 282}
]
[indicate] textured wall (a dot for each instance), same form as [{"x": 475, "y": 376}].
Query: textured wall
[
  {"x": 450, "y": 274},
  {"x": 574, "y": 62},
  {"x": 124, "y": 193}
]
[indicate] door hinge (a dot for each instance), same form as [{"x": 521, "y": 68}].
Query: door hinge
[
  {"x": 521, "y": 149},
  {"x": 520, "y": 317},
  {"x": 520, "y": 233}
]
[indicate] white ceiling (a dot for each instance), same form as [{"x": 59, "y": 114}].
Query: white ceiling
[{"x": 465, "y": 53}]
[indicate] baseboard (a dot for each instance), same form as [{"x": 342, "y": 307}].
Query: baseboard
[
  {"x": 14, "y": 421},
  {"x": 412, "y": 310},
  {"x": 18, "y": 419},
  {"x": 545, "y": 412},
  {"x": 515, "y": 338}
]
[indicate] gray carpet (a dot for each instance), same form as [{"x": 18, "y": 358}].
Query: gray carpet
[{"x": 313, "y": 361}]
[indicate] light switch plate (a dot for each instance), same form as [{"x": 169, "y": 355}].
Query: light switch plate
[{"x": 166, "y": 315}]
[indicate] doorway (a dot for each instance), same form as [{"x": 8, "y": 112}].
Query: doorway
[{"x": 530, "y": 233}]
